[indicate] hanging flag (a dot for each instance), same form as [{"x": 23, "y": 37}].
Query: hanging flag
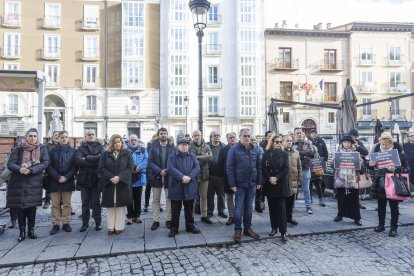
[{"x": 321, "y": 84}]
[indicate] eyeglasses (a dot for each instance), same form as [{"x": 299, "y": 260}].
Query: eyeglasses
[
  {"x": 277, "y": 142},
  {"x": 216, "y": 135}
]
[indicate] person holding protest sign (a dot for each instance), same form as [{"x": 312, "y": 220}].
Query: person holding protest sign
[
  {"x": 346, "y": 182},
  {"x": 386, "y": 144}
]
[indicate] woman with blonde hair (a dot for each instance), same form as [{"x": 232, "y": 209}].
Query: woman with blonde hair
[{"x": 115, "y": 169}]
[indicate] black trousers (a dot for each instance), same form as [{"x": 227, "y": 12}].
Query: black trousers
[
  {"x": 188, "y": 214},
  {"x": 259, "y": 198},
  {"x": 13, "y": 213},
  {"x": 215, "y": 187},
  {"x": 290, "y": 201},
  {"x": 277, "y": 213},
  {"x": 134, "y": 209},
  {"x": 28, "y": 214},
  {"x": 318, "y": 184},
  {"x": 91, "y": 199},
  {"x": 147, "y": 194},
  {"x": 382, "y": 209}
]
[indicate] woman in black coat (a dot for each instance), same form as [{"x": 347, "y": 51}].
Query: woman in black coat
[
  {"x": 115, "y": 169},
  {"x": 275, "y": 166},
  {"x": 61, "y": 181},
  {"x": 27, "y": 163},
  {"x": 386, "y": 143}
]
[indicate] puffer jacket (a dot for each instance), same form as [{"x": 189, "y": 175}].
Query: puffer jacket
[
  {"x": 140, "y": 157},
  {"x": 295, "y": 170},
  {"x": 204, "y": 157},
  {"x": 243, "y": 166}
]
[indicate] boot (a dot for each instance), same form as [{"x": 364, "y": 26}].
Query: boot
[
  {"x": 31, "y": 233},
  {"x": 22, "y": 235}
]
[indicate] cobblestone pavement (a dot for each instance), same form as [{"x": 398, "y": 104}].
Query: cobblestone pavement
[{"x": 353, "y": 253}]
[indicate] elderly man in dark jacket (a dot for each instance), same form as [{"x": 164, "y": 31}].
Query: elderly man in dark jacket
[
  {"x": 87, "y": 159},
  {"x": 184, "y": 169},
  {"x": 244, "y": 174}
]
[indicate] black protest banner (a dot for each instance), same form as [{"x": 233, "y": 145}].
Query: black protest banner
[
  {"x": 347, "y": 160},
  {"x": 317, "y": 164},
  {"x": 386, "y": 158}
]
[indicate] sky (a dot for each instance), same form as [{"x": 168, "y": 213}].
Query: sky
[{"x": 307, "y": 13}]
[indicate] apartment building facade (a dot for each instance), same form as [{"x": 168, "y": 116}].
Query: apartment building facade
[{"x": 101, "y": 59}]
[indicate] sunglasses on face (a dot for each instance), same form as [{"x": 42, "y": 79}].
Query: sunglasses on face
[{"x": 277, "y": 142}]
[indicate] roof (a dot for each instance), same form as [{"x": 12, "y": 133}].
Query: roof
[{"x": 376, "y": 27}]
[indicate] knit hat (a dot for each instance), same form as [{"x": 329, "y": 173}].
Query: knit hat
[
  {"x": 183, "y": 141},
  {"x": 348, "y": 138},
  {"x": 354, "y": 132}
]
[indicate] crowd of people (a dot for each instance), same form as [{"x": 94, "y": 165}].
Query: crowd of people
[{"x": 193, "y": 173}]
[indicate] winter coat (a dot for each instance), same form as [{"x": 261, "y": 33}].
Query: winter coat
[
  {"x": 180, "y": 164},
  {"x": 204, "y": 157},
  {"x": 26, "y": 191},
  {"x": 156, "y": 165},
  {"x": 275, "y": 163},
  {"x": 110, "y": 167},
  {"x": 140, "y": 157},
  {"x": 378, "y": 181},
  {"x": 409, "y": 154},
  {"x": 320, "y": 144},
  {"x": 214, "y": 169},
  {"x": 87, "y": 158},
  {"x": 243, "y": 166},
  {"x": 222, "y": 165},
  {"x": 306, "y": 152},
  {"x": 295, "y": 171},
  {"x": 55, "y": 170}
]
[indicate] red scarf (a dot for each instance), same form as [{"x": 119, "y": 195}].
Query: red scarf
[{"x": 31, "y": 153}]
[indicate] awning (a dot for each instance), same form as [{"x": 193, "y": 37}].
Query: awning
[{"x": 386, "y": 124}]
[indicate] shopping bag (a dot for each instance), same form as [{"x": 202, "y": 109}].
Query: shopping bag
[
  {"x": 365, "y": 181},
  {"x": 397, "y": 182}
]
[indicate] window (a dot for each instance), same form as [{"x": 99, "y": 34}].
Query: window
[
  {"x": 90, "y": 75},
  {"x": 330, "y": 91},
  {"x": 12, "y": 13},
  {"x": 366, "y": 55},
  {"x": 285, "y": 58},
  {"x": 248, "y": 103},
  {"x": 13, "y": 101},
  {"x": 51, "y": 46},
  {"x": 179, "y": 39},
  {"x": 91, "y": 16},
  {"x": 285, "y": 117},
  {"x": 367, "y": 83},
  {"x": 213, "y": 106},
  {"x": 248, "y": 71},
  {"x": 213, "y": 74},
  {"x": 394, "y": 55},
  {"x": 91, "y": 46},
  {"x": 366, "y": 77},
  {"x": 52, "y": 15},
  {"x": 11, "y": 66},
  {"x": 395, "y": 107},
  {"x": 133, "y": 73},
  {"x": 90, "y": 126},
  {"x": 133, "y": 43},
  {"x": 366, "y": 109},
  {"x": 133, "y": 14},
  {"x": 395, "y": 79},
  {"x": 329, "y": 59},
  {"x": 247, "y": 40},
  {"x": 179, "y": 70},
  {"x": 331, "y": 117},
  {"x": 178, "y": 10},
  {"x": 91, "y": 103},
  {"x": 213, "y": 15},
  {"x": 52, "y": 71},
  {"x": 213, "y": 46},
  {"x": 11, "y": 46},
  {"x": 285, "y": 90},
  {"x": 247, "y": 11},
  {"x": 177, "y": 107}
]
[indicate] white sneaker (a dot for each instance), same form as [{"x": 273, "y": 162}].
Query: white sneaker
[{"x": 309, "y": 211}]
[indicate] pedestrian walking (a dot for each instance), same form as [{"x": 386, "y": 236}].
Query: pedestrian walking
[
  {"x": 115, "y": 168},
  {"x": 27, "y": 163}
]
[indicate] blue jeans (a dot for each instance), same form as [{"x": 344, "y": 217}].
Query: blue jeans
[
  {"x": 243, "y": 205},
  {"x": 305, "y": 187}
]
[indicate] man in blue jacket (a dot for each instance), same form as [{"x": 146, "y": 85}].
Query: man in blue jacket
[{"x": 244, "y": 174}]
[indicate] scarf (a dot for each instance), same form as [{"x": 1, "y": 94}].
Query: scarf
[
  {"x": 31, "y": 154},
  {"x": 63, "y": 160},
  {"x": 116, "y": 153},
  {"x": 383, "y": 150}
]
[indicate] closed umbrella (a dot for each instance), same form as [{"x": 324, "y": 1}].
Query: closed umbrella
[
  {"x": 273, "y": 119},
  {"x": 348, "y": 108},
  {"x": 377, "y": 130}
]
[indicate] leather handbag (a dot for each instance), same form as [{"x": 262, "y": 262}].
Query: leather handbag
[
  {"x": 397, "y": 183},
  {"x": 365, "y": 181}
]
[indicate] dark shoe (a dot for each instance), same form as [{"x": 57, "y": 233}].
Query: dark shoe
[
  {"x": 172, "y": 233},
  {"x": 258, "y": 209},
  {"x": 250, "y": 233},
  {"x": 358, "y": 222},
  {"x": 229, "y": 221},
  {"x": 98, "y": 227},
  {"x": 237, "y": 236},
  {"x": 22, "y": 235},
  {"x": 309, "y": 211},
  {"x": 46, "y": 205},
  {"x": 206, "y": 220},
  {"x": 67, "y": 228},
  {"x": 168, "y": 224},
  {"x": 72, "y": 213},
  {"x": 54, "y": 230},
  {"x": 146, "y": 209},
  {"x": 197, "y": 211},
  {"x": 137, "y": 220},
  {"x": 292, "y": 221},
  {"x": 222, "y": 215},
  {"x": 155, "y": 225},
  {"x": 129, "y": 221},
  {"x": 110, "y": 232},
  {"x": 322, "y": 204},
  {"x": 12, "y": 224},
  {"x": 193, "y": 230},
  {"x": 338, "y": 218},
  {"x": 273, "y": 232},
  {"x": 84, "y": 228},
  {"x": 393, "y": 232},
  {"x": 379, "y": 228},
  {"x": 161, "y": 210},
  {"x": 117, "y": 232},
  {"x": 284, "y": 237},
  {"x": 362, "y": 206},
  {"x": 31, "y": 234}
]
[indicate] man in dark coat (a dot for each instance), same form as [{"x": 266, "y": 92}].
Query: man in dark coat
[
  {"x": 46, "y": 185},
  {"x": 316, "y": 180},
  {"x": 184, "y": 169},
  {"x": 87, "y": 159},
  {"x": 259, "y": 201}
]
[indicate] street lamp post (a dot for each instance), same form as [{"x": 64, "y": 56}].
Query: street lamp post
[
  {"x": 390, "y": 105},
  {"x": 186, "y": 102},
  {"x": 199, "y": 9}
]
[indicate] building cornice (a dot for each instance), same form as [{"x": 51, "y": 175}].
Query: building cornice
[
  {"x": 309, "y": 33},
  {"x": 376, "y": 27}
]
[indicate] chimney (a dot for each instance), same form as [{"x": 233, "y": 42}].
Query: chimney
[
  {"x": 296, "y": 26},
  {"x": 328, "y": 26},
  {"x": 277, "y": 25},
  {"x": 284, "y": 25},
  {"x": 319, "y": 26}
]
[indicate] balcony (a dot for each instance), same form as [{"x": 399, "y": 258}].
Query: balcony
[
  {"x": 213, "y": 19},
  {"x": 285, "y": 65},
  {"x": 51, "y": 53},
  {"x": 220, "y": 112},
  {"x": 397, "y": 87},
  {"x": 11, "y": 20},
  {"x": 90, "y": 54},
  {"x": 367, "y": 114},
  {"x": 329, "y": 98},
  {"x": 51, "y": 22},
  {"x": 285, "y": 97},
  {"x": 368, "y": 87},
  {"x": 213, "y": 84},
  {"x": 394, "y": 61},
  {"x": 213, "y": 49},
  {"x": 90, "y": 23},
  {"x": 337, "y": 66},
  {"x": 398, "y": 114},
  {"x": 367, "y": 61},
  {"x": 10, "y": 52}
]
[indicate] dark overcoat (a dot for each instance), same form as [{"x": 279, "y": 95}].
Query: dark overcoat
[
  {"x": 276, "y": 164},
  {"x": 88, "y": 155},
  {"x": 55, "y": 170}
]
